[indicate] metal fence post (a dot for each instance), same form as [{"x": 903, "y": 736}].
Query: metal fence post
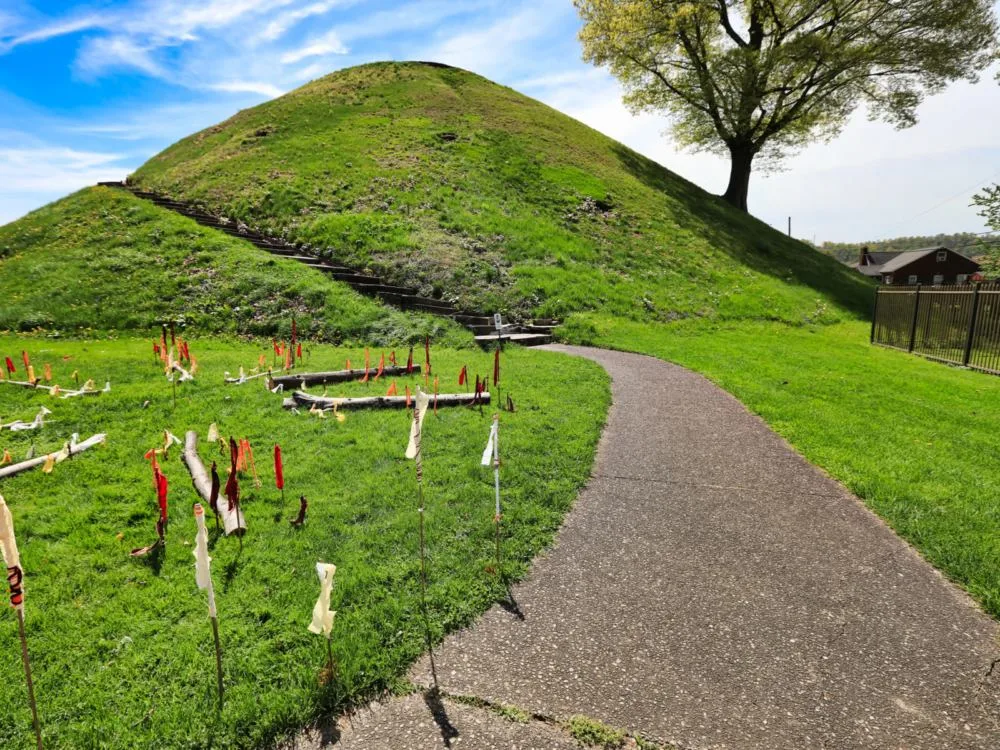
[
  {"x": 871, "y": 339},
  {"x": 913, "y": 326},
  {"x": 972, "y": 327}
]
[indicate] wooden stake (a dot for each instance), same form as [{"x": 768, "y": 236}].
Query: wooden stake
[
  {"x": 218, "y": 657},
  {"x": 27, "y": 677}
]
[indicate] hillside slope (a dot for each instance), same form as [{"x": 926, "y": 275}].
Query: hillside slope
[
  {"x": 103, "y": 259},
  {"x": 437, "y": 177}
]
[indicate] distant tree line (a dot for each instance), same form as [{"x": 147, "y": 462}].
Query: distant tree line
[{"x": 984, "y": 249}]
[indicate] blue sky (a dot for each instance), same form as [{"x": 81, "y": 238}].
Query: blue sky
[{"x": 90, "y": 90}]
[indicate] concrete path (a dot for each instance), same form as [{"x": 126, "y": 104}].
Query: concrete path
[{"x": 712, "y": 589}]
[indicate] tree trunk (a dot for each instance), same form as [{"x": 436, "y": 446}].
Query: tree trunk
[{"x": 741, "y": 160}]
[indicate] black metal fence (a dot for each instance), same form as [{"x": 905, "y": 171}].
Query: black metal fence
[{"x": 956, "y": 324}]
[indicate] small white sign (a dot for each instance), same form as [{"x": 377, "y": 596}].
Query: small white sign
[{"x": 497, "y": 323}]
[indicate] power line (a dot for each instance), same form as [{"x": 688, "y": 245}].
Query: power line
[{"x": 936, "y": 206}]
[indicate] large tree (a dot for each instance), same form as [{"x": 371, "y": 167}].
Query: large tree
[{"x": 760, "y": 78}]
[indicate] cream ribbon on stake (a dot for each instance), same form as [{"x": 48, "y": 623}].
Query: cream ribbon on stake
[
  {"x": 15, "y": 578},
  {"x": 203, "y": 572},
  {"x": 422, "y": 401},
  {"x": 11, "y": 558},
  {"x": 322, "y": 617}
]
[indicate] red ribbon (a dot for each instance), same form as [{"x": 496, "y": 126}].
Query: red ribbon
[
  {"x": 279, "y": 471},
  {"x": 161, "y": 494}
]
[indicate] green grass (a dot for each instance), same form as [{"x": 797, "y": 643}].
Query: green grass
[
  {"x": 122, "y": 648},
  {"x": 104, "y": 260},
  {"x": 916, "y": 439},
  {"x": 592, "y": 733},
  {"x": 437, "y": 177}
]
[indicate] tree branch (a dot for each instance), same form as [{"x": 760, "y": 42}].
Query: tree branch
[{"x": 728, "y": 26}]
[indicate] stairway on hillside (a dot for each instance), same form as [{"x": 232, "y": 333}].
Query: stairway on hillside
[{"x": 533, "y": 334}]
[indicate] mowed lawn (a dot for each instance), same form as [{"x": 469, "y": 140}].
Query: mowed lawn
[
  {"x": 122, "y": 647},
  {"x": 917, "y": 440}
]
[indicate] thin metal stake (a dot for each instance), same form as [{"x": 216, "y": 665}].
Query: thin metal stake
[
  {"x": 496, "y": 486},
  {"x": 423, "y": 557},
  {"x": 329, "y": 656},
  {"x": 27, "y": 676},
  {"x": 218, "y": 657}
]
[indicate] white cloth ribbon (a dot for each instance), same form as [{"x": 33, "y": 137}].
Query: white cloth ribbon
[
  {"x": 8, "y": 549},
  {"x": 421, "y": 400},
  {"x": 322, "y": 619},
  {"x": 202, "y": 569},
  {"x": 491, "y": 444}
]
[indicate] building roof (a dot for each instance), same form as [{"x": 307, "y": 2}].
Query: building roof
[
  {"x": 890, "y": 262},
  {"x": 905, "y": 259}
]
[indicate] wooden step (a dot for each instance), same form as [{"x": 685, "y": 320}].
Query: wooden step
[
  {"x": 412, "y": 300},
  {"x": 524, "y": 339},
  {"x": 379, "y": 289},
  {"x": 474, "y": 320},
  {"x": 548, "y": 329}
]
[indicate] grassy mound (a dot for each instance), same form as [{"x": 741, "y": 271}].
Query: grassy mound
[
  {"x": 103, "y": 259},
  {"x": 122, "y": 647},
  {"x": 435, "y": 176}
]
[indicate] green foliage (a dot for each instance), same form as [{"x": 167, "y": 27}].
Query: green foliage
[
  {"x": 122, "y": 647},
  {"x": 753, "y": 77},
  {"x": 592, "y": 733},
  {"x": 916, "y": 440},
  {"x": 966, "y": 243},
  {"x": 102, "y": 259},
  {"x": 989, "y": 201},
  {"x": 435, "y": 177}
]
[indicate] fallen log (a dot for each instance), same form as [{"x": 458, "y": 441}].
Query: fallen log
[
  {"x": 304, "y": 379},
  {"x": 27, "y": 384},
  {"x": 298, "y": 398},
  {"x": 232, "y": 520},
  {"x": 59, "y": 456},
  {"x": 56, "y": 390}
]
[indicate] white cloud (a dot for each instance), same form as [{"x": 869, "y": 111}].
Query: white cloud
[
  {"x": 55, "y": 29},
  {"x": 99, "y": 55},
  {"x": 329, "y": 44},
  {"x": 45, "y": 168},
  {"x": 410, "y": 17},
  {"x": 246, "y": 87},
  {"x": 280, "y": 24},
  {"x": 494, "y": 46}
]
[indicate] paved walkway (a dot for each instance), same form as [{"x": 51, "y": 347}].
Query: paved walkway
[{"x": 711, "y": 588}]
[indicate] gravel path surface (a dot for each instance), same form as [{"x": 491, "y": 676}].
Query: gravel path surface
[{"x": 711, "y": 588}]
